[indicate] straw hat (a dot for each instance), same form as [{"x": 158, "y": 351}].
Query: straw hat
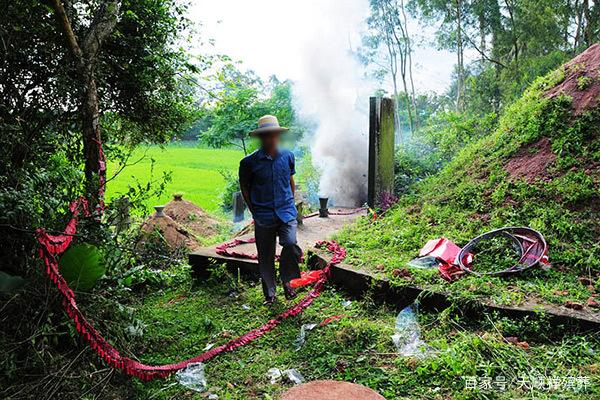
[{"x": 268, "y": 123}]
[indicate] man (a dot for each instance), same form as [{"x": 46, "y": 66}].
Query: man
[{"x": 267, "y": 184}]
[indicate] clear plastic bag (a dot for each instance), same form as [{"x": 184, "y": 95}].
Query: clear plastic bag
[
  {"x": 407, "y": 336},
  {"x": 301, "y": 339},
  {"x": 427, "y": 262},
  {"x": 274, "y": 375},
  {"x": 192, "y": 377},
  {"x": 291, "y": 375}
]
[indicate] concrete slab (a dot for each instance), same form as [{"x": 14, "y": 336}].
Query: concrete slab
[{"x": 310, "y": 232}]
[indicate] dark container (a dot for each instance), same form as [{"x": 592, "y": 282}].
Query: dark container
[{"x": 323, "y": 211}]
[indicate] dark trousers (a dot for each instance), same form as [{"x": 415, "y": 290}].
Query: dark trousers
[{"x": 290, "y": 253}]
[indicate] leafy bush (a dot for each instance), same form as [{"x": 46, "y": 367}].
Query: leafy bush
[
  {"x": 436, "y": 144},
  {"x": 82, "y": 265},
  {"x": 232, "y": 185}
]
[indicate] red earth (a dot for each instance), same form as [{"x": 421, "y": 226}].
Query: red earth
[
  {"x": 331, "y": 390},
  {"x": 582, "y": 80}
]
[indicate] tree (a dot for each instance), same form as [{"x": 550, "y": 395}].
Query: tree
[
  {"x": 141, "y": 95},
  {"x": 104, "y": 20},
  {"x": 242, "y": 99},
  {"x": 85, "y": 45},
  {"x": 516, "y": 41},
  {"x": 388, "y": 31}
]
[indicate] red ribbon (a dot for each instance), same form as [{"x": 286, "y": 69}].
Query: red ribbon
[{"x": 54, "y": 245}]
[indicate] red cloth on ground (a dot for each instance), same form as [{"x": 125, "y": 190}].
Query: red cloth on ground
[
  {"x": 306, "y": 278},
  {"x": 446, "y": 251}
]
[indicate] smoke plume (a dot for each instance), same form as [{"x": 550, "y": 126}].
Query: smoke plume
[{"x": 333, "y": 93}]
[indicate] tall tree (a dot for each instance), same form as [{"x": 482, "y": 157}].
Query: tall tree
[
  {"x": 389, "y": 38},
  {"x": 452, "y": 16},
  {"x": 85, "y": 51},
  {"x": 140, "y": 96},
  {"x": 240, "y": 101}
]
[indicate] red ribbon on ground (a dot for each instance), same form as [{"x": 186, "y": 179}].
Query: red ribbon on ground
[{"x": 53, "y": 246}]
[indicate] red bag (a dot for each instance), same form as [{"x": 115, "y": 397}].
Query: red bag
[
  {"x": 306, "y": 278},
  {"x": 443, "y": 249},
  {"x": 446, "y": 251}
]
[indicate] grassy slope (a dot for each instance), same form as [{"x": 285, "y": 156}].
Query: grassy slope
[
  {"x": 183, "y": 320},
  {"x": 474, "y": 194},
  {"x": 195, "y": 173}
]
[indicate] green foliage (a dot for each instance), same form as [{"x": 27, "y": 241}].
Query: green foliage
[
  {"x": 182, "y": 321},
  {"x": 141, "y": 74},
  {"x": 436, "y": 144},
  {"x": 232, "y": 185},
  {"x": 10, "y": 283},
  {"x": 514, "y": 44},
  {"x": 241, "y": 100},
  {"x": 81, "y": 266},
  {"x": 474, "y": 193}
]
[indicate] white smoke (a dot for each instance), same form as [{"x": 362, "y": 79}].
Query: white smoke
[{"x": 333, "y": 92}]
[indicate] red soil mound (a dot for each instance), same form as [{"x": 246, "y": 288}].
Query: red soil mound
[
  {"x": 531, "y": 162},
  {"x": 582, "y": 84},
  {"x": 192, "y": 217},
  {"x": 582, "y": 80},
  {"x": 331, "y": 390},
  {"x": 174, "y": 234}
]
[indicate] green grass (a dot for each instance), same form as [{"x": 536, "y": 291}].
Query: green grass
[
  {"x": 474, "y": 193},
  {"x": 182, "y": 320},
  {"x": 195, "y": 173}
]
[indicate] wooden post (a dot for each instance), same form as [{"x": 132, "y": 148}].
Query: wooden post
[{"x": 381, "y": 149}]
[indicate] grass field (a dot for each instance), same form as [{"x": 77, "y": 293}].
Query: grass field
[
  {"x": 195, "y": 173},
  {"x": 183, "y": 318}
]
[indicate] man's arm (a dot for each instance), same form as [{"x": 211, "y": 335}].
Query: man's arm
[
  {"x": 293, "y": 185},
  {"x": 245, "y": 187},
  {"x": 292, "y": 173}
]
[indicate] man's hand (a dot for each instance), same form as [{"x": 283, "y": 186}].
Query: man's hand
[{"x": 246, "y": 194}]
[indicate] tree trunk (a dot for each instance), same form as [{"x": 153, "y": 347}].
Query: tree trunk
[
  {"x": 589, "y": 25},
  {"x": 393, "y": 62},
  {"x": 401, "y": 46},
  {"x": 410, "y": 73},
  {"x": 579, "y": 21},
  {"x": 244, "y": 146},
  {"x": 85, "y": 53},
  {"x": 90, "y": 128},
  {"x": 459, "y": 55},
  {"x": 482, "y": 43}
]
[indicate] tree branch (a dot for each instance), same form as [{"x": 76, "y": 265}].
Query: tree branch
[
  {"x": 101, "y": 27},
  {"x": 482, "y": 53},
  {"x": 65, "y": 25}
]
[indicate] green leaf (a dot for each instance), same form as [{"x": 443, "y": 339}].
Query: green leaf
[
  {"x": 82, "y": 265},
  {"x": 10, "y": 283}
]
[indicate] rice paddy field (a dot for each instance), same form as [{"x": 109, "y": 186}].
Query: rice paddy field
[{"x": 194, "y": 172}]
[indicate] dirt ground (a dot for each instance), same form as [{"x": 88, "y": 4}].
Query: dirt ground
[
  {"x": 192, "y": 217},
  {"x": 582, "y": 80},
  {"x": 531, "y": 162},
  {"x": 174, "y": 234},
  {"x": 311, "y": 231},
  {"x": 582, "y": 84}
]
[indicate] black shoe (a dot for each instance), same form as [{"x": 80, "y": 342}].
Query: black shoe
[
  {"x": 289, "y": 291},
  {"x": 269, "y": 301}
]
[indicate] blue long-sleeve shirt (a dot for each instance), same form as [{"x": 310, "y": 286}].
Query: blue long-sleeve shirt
[{"x": 268, "y": 179}]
